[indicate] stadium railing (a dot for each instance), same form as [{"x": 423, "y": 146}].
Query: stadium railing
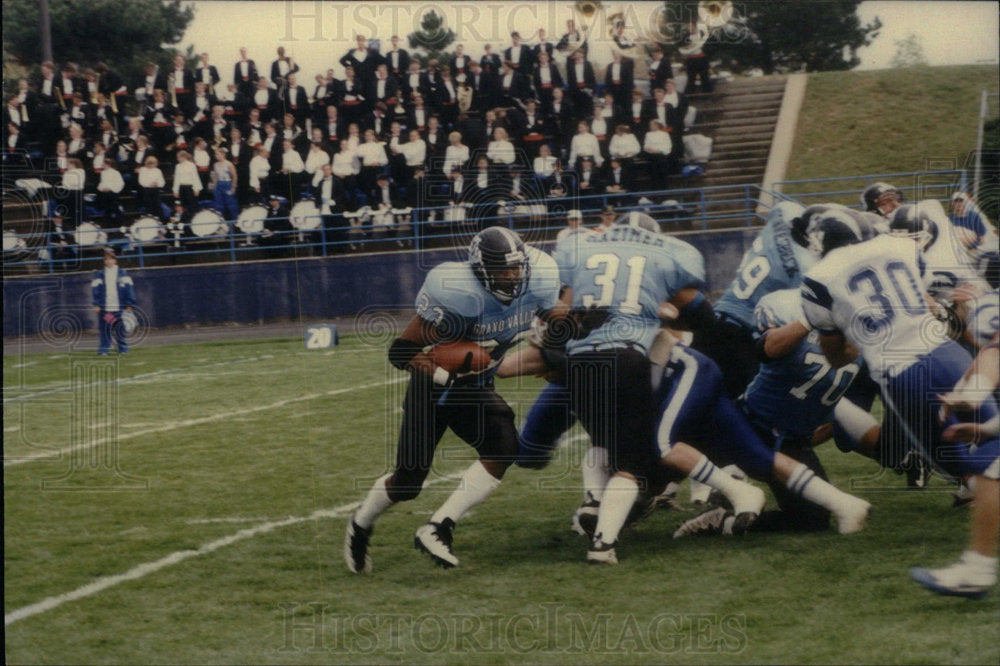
[
  {"x": 681, "y": 209},
  {"x": 915, "y": 185}
]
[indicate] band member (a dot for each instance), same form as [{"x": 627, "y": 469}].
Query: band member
[
  {"x": 281, "y": 68},
  {"x": 295, "y": 100},
  {"x": 362, "y": 59},
  {"x": 180, "y": 84},
  {"x": 206, "y": 73},
  {"x": 397, "y": 59},
  {"x": 265, "y": 100},
  {"x": 245, "y": 74}
]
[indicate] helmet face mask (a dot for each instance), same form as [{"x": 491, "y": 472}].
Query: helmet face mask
[
  {"x": 911, "y": 222},
  {"x": 835, "y": 229},
  {"x": 878, "y": 197},
  {"x": 500, "y": 263}
]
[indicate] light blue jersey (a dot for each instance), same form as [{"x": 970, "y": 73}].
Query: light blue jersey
[
  {"x": 794, "y": 394},
  {"x": 773, "y": 262},
  {"x": 456, "y": 301},
  {"x": 631, "y": 271}
]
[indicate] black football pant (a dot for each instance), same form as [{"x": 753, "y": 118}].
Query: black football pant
[{"x": 477, "y": 414}]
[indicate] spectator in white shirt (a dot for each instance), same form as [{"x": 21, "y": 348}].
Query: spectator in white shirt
[
  {"x": 292, "y": 174},
  {"x": 259, "y": 172},
  {"x": 109, "y": 187},
  {"x": 187, "y": 182},
  {"x": 500, "y": 150},
  {"x": 316, "y": 158},
  {"x": 544, "y": 164},
  {"x": 624, "y": 145},
  {"x": 574, "y": 221},
  {"x": 150, "y": 180},
  {"x": 584, "y": 144},
  {"x": 658, "y": 147},
  {"x": 457, "y": 153},
  {"x": 345, "y": 161},
  {"x": 373, "y": 158}
]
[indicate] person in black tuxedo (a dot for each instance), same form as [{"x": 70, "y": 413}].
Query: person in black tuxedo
[
  {"x": 562, "y": 117},
  {"x": 490, "y": 62},
  {"x": 531, "y": 128},
  {"x": 619, "y": 78},
  {"x": 486, "y": 184},
  {"x": 482, "y": 86},
  {"x": 445, "y": 98},
  {"x": 265, "y": 100},
  {"x": 678, "y": 106},
  {"x": 362, "y": 59},
  {"x": 542, "y": 46},
  {"x": 206, "y": 73},
  {"x": 180, "y": 83},
  {"x": 572, "y": 41},
  {"x": 519, "y": 55},
  {"x": 397, "y": 60},
  {"x": 619, "y": 177},
  {"x": 281, "y": 68},
  {"x": 659, "y": 69},
  {"x": 295, "y": 100},
  {"x": 589, "y": 182},
  {"x": 581, "y": 82},
  {"x": 511, "y": 88},
  {"x": 245, "y": 74},
  {"x": 383, "y": 199},
  {"x": 546, "y": 78},
  {"x": 331, "y": 200},
  {"x": 384, "y": 88},
  {"x": 459, "y": 62}
]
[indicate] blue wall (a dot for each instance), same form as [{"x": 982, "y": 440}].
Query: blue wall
[{"x": 260, "y": 291}]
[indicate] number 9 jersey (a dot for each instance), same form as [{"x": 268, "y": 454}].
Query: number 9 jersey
[
  {"x": 774, "y": 261},
  {"x": 631, "y": 271}
]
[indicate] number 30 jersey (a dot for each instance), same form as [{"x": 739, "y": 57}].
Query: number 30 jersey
[
  {"x": 794, "y": 394},
  {"x": 631, "y": 271},
  {"x": 872, "y": 293},
  {"x": 773, "y": 262}
]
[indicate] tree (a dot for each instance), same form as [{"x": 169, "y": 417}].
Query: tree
[
  {"x": 433, "y": 37},
  {"x": 782, "y": 36},
  {"x": 123, "y": 33},
  {"x": 909, "y": 52}
]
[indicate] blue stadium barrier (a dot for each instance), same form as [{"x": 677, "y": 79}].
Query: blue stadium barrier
[{"x": 253, "y": 292}]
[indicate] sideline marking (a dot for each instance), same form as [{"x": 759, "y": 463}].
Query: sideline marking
[{"x": 146, "y": 568}]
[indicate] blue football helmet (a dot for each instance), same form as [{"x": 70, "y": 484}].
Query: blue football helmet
[{"x": 500, "y": 262}]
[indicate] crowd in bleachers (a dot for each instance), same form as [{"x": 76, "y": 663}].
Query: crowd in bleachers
[{"x": 395, "y": 132}]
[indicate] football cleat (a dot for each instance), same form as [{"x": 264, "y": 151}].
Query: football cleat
[
  {"x": 601, "y": 553},
  {"x": 585, "y": 518},
  {"x": 699, "y": 493},
  {"x": 918, "y": 472},
  {"x": 963, "y": 495},
  {"x": 852, "y": 518},
  {"x": 958, "y": 580},
  {"x": 709, "y": 522},
  {"x": 747, "y": 505},
  {"x": 435, "y": 540},
  {"x": 356, "y": 547}
]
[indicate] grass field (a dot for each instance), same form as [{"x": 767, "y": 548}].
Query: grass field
[
  {"x": 211, "y": 532},
  {"x": 888, "y": 121}
]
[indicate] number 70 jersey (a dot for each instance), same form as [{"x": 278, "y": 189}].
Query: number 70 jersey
[
  {"x": 872, "y": 293},
  {"x": 631, "y": 271}
]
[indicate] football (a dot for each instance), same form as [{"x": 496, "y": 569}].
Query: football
[{"x": 451, "y": 355}]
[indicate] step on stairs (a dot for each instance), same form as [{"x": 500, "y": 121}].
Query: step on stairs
[{"x": 740, "y": 116}]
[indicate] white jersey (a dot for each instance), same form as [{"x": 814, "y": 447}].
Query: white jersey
[
  {"x": 947, "y": 260},
  {"x": 983, "y": 319},
  {"x": 872, "y": 293}
]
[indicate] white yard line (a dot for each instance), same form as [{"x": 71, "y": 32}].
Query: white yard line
[
  {"x": 63, "y": 388},
  {"x": 146, "y": 568},
  {"x": 53, "y": 455}
]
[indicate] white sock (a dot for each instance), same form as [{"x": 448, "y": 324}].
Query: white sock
[
  {"x": 854, "y": 420},
  {"x": 706, "y": 472},
  {"x": 374, "y": 504},
  {"x": 475, "y": 486},
  {"x": 983, "y": 563},
  {"x": 806, "y": 484},
  {"x": 619, "y": 496},
  {"x": 596, "y": 473}
]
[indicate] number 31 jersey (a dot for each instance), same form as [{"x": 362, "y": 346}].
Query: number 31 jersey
[
  {"x": 773, "y": 262},
  {"x": 631, "y": 271},
  {"x": 873, "y": 294}
]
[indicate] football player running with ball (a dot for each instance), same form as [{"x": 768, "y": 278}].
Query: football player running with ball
[{"x": 490, "y": 299}]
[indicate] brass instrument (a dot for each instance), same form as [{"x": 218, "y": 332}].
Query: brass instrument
[
  {"x": 587, "y": 9},
  {"x": 715, "y": 13}
]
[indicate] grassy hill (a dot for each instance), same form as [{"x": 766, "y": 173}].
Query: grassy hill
[{"x": 889, "y": 121}]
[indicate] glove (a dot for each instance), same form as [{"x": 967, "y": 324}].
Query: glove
[
  {"x": 129, "y": 321},
  {"x": 586, "y": 320},
  {"x": 109, "y": 318}
]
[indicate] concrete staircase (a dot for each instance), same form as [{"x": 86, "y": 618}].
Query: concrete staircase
[{"x": 740, "y": 116}]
